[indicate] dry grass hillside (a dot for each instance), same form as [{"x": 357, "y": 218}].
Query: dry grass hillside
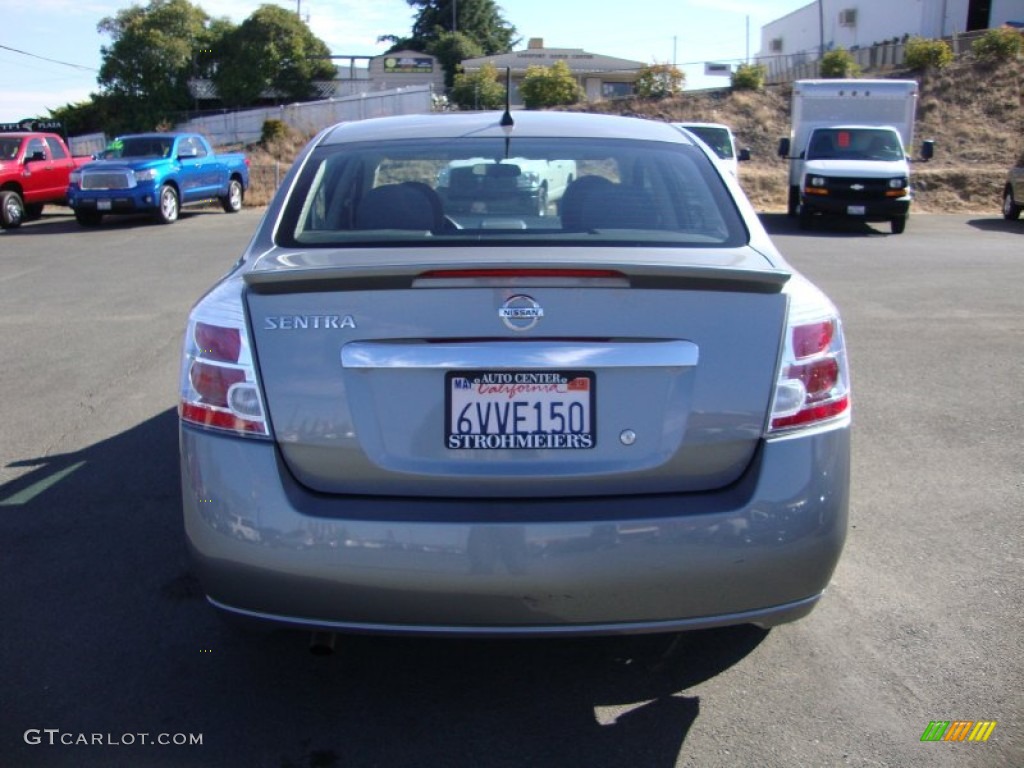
[{"x": 973, "y": 111}]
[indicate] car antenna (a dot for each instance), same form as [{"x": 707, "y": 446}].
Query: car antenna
[
  {"x": 507, "y": 122},
  {"x": 506, "y": 119}
]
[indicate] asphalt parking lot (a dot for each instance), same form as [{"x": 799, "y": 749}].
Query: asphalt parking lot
[{"x": 107, "y": 635}]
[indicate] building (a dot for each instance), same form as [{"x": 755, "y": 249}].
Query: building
[
  {"x": 404, "y": 68},
  {"x": 601, "y": 77},
  {"x": 799, "y": 36}
]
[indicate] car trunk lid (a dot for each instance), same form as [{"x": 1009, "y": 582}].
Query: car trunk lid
[{"x": 587, "y": 372}]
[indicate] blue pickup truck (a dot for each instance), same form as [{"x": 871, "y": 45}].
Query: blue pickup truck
[{"x": 157, "y": 173}]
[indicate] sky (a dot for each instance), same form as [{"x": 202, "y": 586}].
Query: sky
[{"x": 50, "y": 49}]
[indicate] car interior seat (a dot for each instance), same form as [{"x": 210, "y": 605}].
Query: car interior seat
[
  {"x": 594, "y": 202},
  {"x": 409, "y": 205}
]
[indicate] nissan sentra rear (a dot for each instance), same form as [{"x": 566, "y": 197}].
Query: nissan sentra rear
[{"x": 439, "y": 411}]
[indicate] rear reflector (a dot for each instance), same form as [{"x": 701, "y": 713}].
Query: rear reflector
[{"x": 218, "y": 343}]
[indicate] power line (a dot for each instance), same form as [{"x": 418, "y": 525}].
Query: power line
[{"x": 52, "y": 61}]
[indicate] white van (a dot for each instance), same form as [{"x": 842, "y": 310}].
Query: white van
[{"x": 721, "y": 140}]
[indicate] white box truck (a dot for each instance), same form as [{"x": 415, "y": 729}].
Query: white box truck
[{"x": 848, "y": 150}]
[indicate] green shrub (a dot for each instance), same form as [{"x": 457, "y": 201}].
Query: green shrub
[
  {"x": 658, "y": 81},
  {"x": 550, "y": 86},
  {"x": 482, "y": 89},
  {"x": 839, "y": 63},
  {"x": 274, "y": 130},
  {"x": 922, "y": 53},
  {"x": 1000, "y": 44},
  {"x": 749, "y": 77}
]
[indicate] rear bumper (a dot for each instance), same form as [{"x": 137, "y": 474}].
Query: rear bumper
[
  {"x": 873, "y": 210},
  {"x": 761, "y": 551}
]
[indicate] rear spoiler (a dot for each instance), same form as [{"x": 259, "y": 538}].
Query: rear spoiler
[{"x": 297, "y": 278}]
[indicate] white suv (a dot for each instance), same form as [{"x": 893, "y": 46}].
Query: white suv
[{"x": 721, "y": 140}]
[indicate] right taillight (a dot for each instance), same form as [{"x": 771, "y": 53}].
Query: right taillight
[
  {"x": 813, "y": 385},
  {"x": 219, "y": 387}
]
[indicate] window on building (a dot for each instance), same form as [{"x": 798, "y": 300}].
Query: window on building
[{"x": 616, "y": 90}]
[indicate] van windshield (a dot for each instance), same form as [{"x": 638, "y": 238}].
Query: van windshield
[{"x": 855, "y": 144}]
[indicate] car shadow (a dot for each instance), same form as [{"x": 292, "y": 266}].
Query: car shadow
[
  {"x": 108, "y": 632},
  {"x": 998, "y": 225},
  {"x": 64, "y": 222},
  {"x": 821, "y": 226}
]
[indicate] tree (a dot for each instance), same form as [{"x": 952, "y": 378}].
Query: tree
[
  {"x": 478, "y": 20},
  {"x": 482, "y": 89},
  {"x": 272, "y": 50},
  {"x": 92, "y": 116},
  {"x": 657, "y": 81},
  {"x": 550, "y": 86},
  {"x": 451, "y": 49},
  {"x": 155, "y": 51},
  {"x": 839, "y": 64}
]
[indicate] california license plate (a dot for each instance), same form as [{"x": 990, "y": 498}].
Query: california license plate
[
  {"x": 855, "y": 210},
  {"x": 103, "y": 205},
  {"x": 500, "y": 410}
]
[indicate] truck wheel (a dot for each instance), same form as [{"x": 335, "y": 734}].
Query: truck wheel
[
  {"x": 803, "y": 218},
  {"x": 167, "y": 208},
  {"x": 793, "y": 203},
  {"x": 1011, "y": 210},
  {"x": 232, "y": 201},
  {"x": 33, "y": 212},
  {"x": 88, "y": 218},
  {"x": 898, "y": 224},
  {"x": 12, "y": 210}
]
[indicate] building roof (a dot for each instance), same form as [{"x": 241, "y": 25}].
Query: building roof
[{"x": 579, "y": 61}]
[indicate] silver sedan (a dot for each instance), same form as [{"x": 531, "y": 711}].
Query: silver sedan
[{"x": 416, "y": 405}]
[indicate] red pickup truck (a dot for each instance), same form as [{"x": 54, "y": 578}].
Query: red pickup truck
[{"x": 34, "y": 169}]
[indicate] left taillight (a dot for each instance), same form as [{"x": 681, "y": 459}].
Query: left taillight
[{"x": 219, "y": 388}]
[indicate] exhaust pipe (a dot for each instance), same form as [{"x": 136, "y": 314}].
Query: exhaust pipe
[{"x": 322, "y": 643}]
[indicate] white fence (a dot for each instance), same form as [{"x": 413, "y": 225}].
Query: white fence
[
  {"x": 872, "y": 58},
  {"x": 308, "y": 118}
]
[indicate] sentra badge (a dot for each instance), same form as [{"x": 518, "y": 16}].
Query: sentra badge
[{"x": 307, "y": 322}]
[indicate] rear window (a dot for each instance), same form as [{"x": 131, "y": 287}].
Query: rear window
[{"x": 467, "y": 191}]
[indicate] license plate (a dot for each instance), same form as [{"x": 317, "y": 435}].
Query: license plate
[
  {"x": 502, "y": 410},
  {"x": 103, "y": 205},
  {"x": 855, "y": 210}
]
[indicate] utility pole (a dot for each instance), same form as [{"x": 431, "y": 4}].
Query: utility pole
[
  {"x": 748, "y": 39},
  {"x": 821, "y": 29},
  {"x": 455, "y": 6}
]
